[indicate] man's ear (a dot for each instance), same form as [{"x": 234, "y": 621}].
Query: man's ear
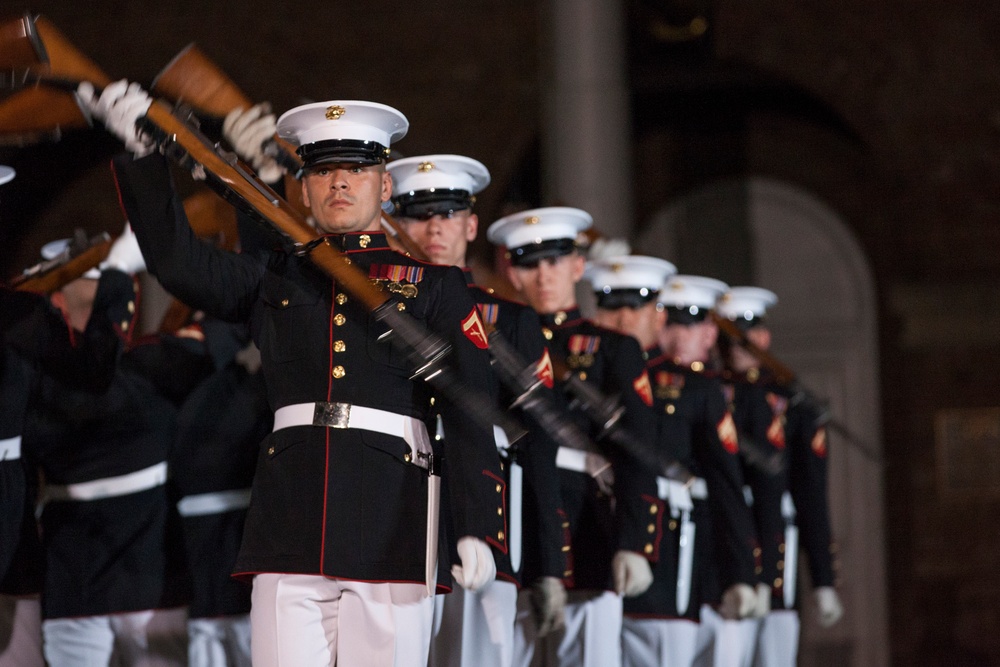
[
  {"x": 579, "y": 264},
  {"x": 305, "y": 192},
  {"x": 472, "y": 227},
  {"x": 514, "y": 276},
  {"x": 386, "y": 186}
]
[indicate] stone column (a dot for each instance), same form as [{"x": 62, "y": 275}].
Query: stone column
[{"x": 586, "y": 120}]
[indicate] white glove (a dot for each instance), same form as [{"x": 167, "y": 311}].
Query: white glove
[
  {"x": 829, "y": 606},
  {"x": 631, "y": 573},
  {"x": 548, "y": 603},
  {"x": 477, "y": 568},
  {"x": 738, "y": 601},
  {"x": 125, "y": 254},
  {"x": 246, "y": 130},
  {"x": 119, "y": 106},
  {"x": 762, "y": 607}
]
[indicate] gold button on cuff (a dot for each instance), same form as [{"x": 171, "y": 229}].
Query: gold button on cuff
[
  {"x": 341, "y": 299},
  {"x": 339, "y": 319},
  {"x": 648, "y": 548},
  {"x": 339, "y": 346},
  {"x": 339, "y": 372}
]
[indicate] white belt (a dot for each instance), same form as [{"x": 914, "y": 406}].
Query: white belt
[
  {"x": 697, "y": 488},
  {"x": 10, "y": 448},
  {"x": 578, "y": 460},
  {"x": 203, "y": 504},
  {"x": 344, "y": 415},
  {"x": 110, "y": 487}
]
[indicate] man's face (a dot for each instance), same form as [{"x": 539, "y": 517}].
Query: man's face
[
  {"x": 346, "y": 197},
  {"x": 549, "y": 285},
  {"x": 444, "y": 238},
  {"x": 76, "y": 301},
  {"x": 687, "y": 343},
  {"x": 642, "y": 323}
]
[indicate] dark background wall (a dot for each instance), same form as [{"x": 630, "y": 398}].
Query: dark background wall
[{"x": 889, "y": 112}]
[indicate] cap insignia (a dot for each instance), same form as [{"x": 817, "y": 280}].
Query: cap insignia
[
  {"x": 335, "y": 112},
  {"x": 531, "y": 220},
  {"x": 617, "y": 267},
  {"x": 425, "y": 166}
]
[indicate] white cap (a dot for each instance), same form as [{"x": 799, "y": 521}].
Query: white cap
[
  {"x": 60, "y": 247},
  {"x": 6, "y": 174},
  {"x": 540, "y": 232},
  {"x": 430, "y": 184},
  {"x": 628, "y": 280},
  {"x": 342, "y": 131},
  {"x": 745, "y": 303},
  {"x": 690, "y": 297}
]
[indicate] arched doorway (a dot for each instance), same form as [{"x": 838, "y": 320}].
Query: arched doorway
[{"x": 825, "y": 328}]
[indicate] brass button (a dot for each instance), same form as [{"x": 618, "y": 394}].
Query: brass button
[
  {"x": 568, "y": 573},
  {"x": 651, "y": 528},
  {"x": 284, "y": 302},
  {"x": 124, "y": 325},
  {"x": 339, "y": 346},
  {"x": 547, "y": 333},
  {"x": 499, "y": 511},
  {"x": 778, "y": 582},
  {"x": 565, "y": 548},
  {"x": 407, "y": 457},
  {"x": 697, "y": 366},
  {"x": 565, "y": 525},
  {"x": 432, "y": 400},
  {"x": 131, "y": 306},
  {"x": 781, "y": 565},
  {"x": 341, "y": 299},
  {"x": 339, "y": 372},
  {"x": 756, "y": 552},
  {"x": 339, "y": 319},
  {"x": 500, "y": 535},
  {"x": 648, "y": 548},
  {"x": 270, "y": 451},
  {"x": 499, "y": 488},
  {"x": 672, "y": 525},
  {"x": 583, "y": 375},
  {"x": 781, "y": 548},
  {"x": 653, "y": 509},
  {"x": 758, "y": 570},
  {"x": 670, "y": 409},
  {"x": 560, "y": 317}
]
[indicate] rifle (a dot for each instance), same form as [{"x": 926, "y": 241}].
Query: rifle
[
  {"x": 606, "y": 412},
  {"x": 192, "y": 78},
  {"x": 32, "y": 47},
  {"x": 80, "y": 256}
]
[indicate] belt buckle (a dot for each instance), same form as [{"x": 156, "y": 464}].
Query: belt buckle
[{"x": 333, "y": 415}]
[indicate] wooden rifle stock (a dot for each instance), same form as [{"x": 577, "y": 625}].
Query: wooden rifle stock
[
  {"x": 782, "y": 374},
  {"x": 32, "y": 112},
  {"x": 52, "y": 275}
]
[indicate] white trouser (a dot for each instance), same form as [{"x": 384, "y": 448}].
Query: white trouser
[
  {"x": 219, "y": 642},
  {"x": 592, "y": 637},
  {"x": 525, "y": 632},
  {"x": 304, "y": 620},
  {"x": 723, "y": 643},
  {"x": 150, "y": 638},
  {"x": 656, "y": 642},
  {"x": 474, "y": 629},
  {"x": 20, "y": 632},
  {"x": 778, "y": 641}
]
